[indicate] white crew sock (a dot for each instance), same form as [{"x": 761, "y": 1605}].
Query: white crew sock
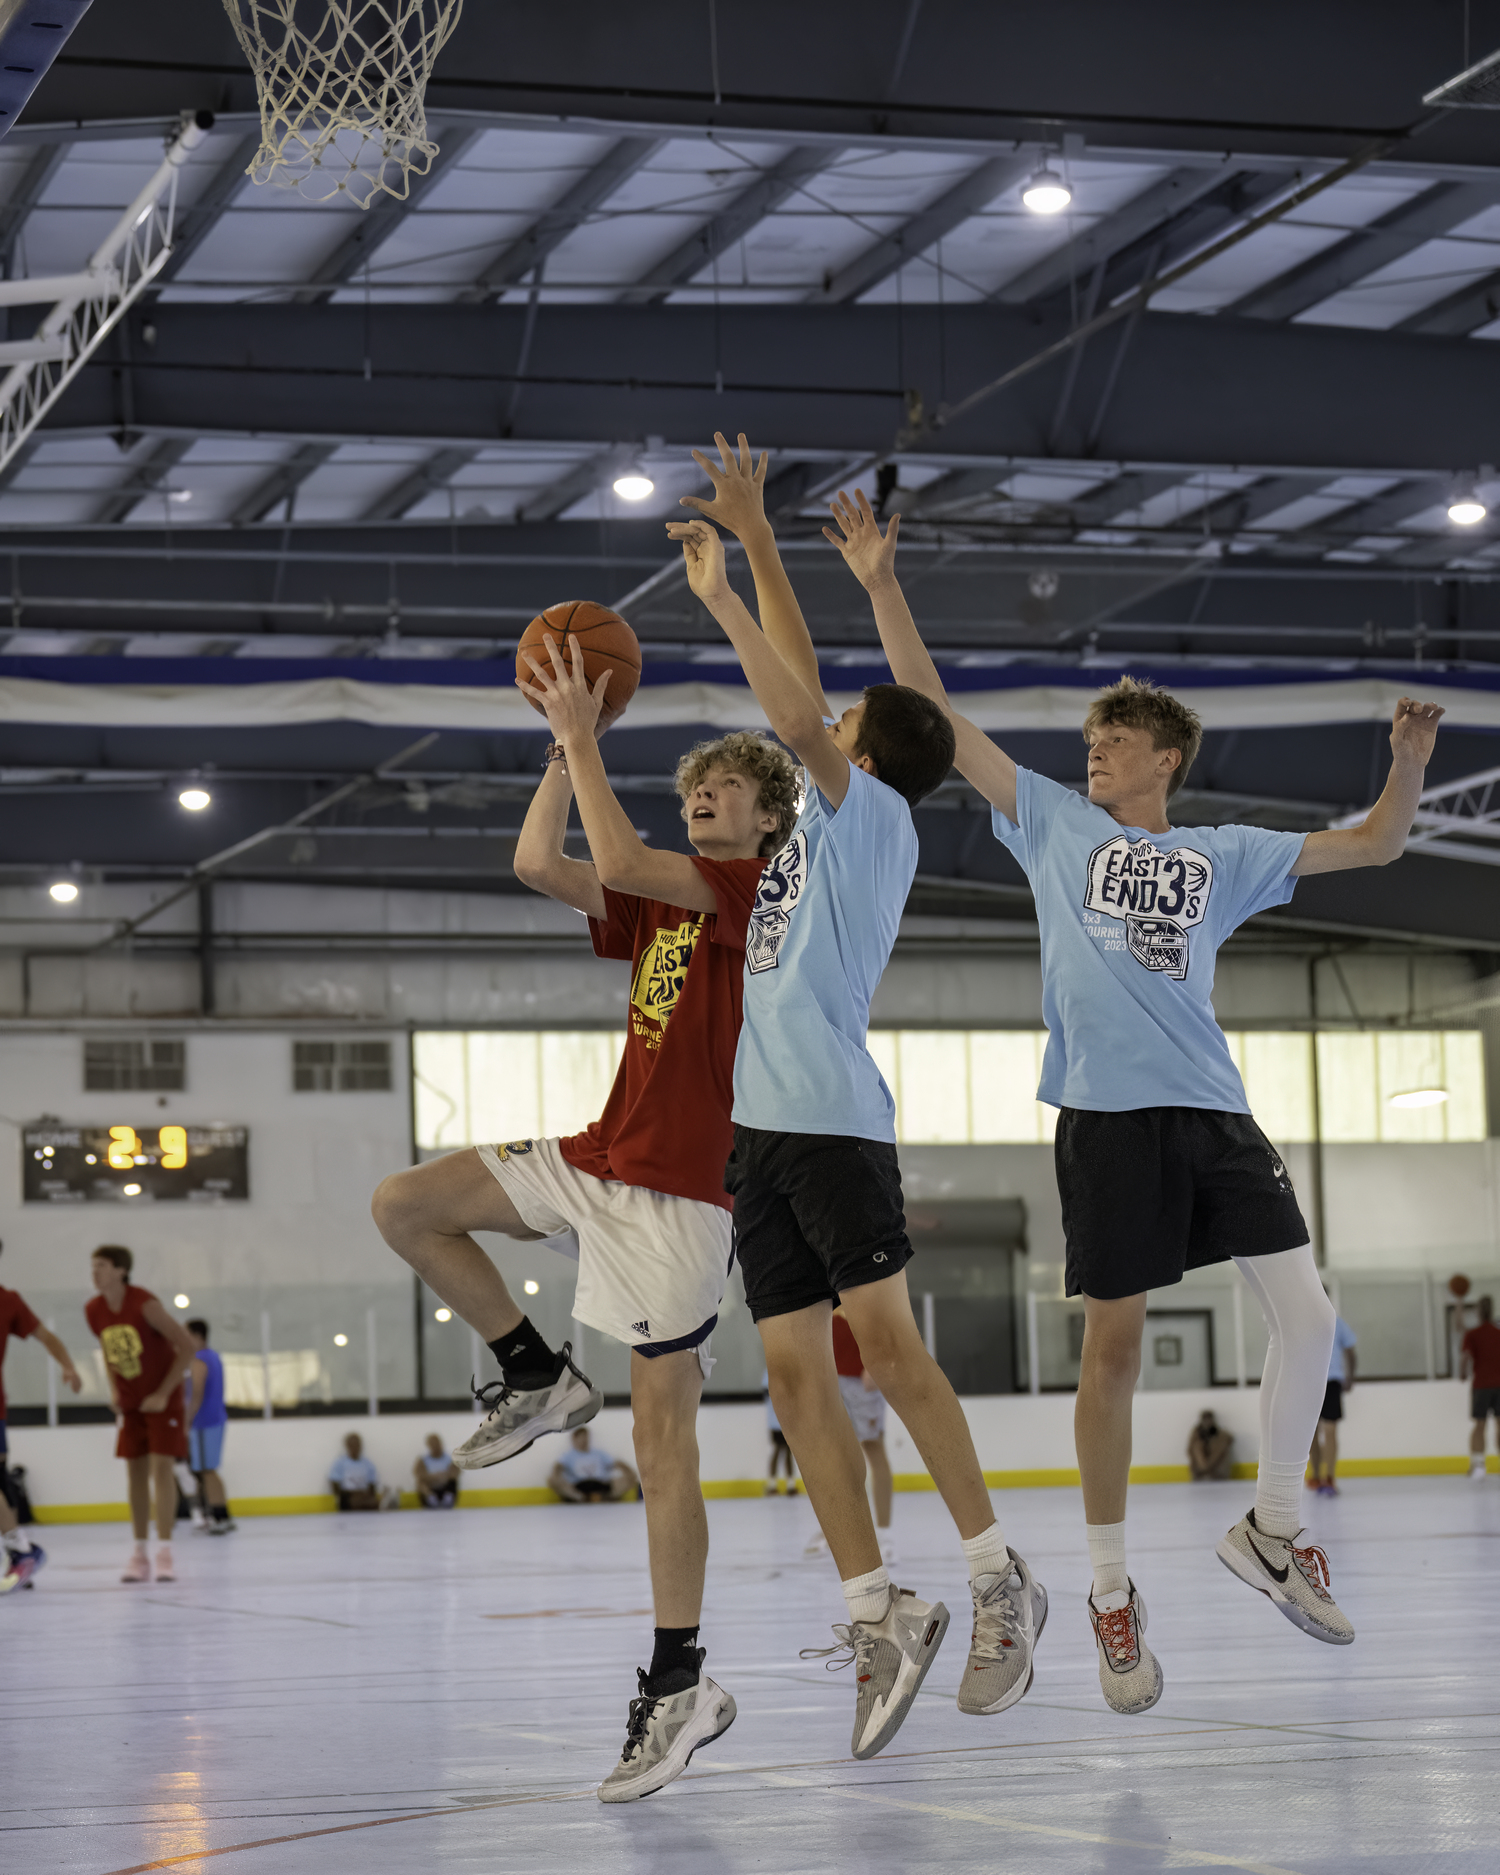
[
  {"x": 868, "y": 1596},
  {"x": 17, "y": 1541},
  {"x": 1278, "y": 1497},
  {"x": 1107, "y": 1554},
  {"x": 987, "y": 1555}
]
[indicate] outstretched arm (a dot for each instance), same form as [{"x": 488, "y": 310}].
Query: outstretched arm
[
  {"x": 739, "y": 504},
  {"x": 540, "y": 862},
  {"x": 1381, "y": 837},
  {"x": 871, "y": 558},
  {"x": 622, "y": 860},
  {"x": 792, "y": 711},
  {"x": 61, "y": 1355}
]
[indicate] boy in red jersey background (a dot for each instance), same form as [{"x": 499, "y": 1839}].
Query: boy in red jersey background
[
  {"x": 147, "y": 1356},
  {"x": 22, "y": 1558}
]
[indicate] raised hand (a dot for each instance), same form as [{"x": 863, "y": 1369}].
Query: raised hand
[
  {"x": 869, "y": 555},
  {"x": 703, "y": 556},
  {"x": 739, "y": 487},
  {"x": 1414, "y": 729},
  {"x": 562, "y": 694}
]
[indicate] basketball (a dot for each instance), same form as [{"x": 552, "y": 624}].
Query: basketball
[
  {"x": 1458, "y": 1286},
  {"x": 607, "y": 643}
]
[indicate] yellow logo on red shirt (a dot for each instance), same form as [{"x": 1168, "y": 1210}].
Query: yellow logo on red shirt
[
  {"x": 659, "y": 977},
  {"x": 123, "y": 1349}
]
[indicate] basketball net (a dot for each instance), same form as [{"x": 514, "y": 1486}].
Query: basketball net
[{"x": 342, "y": 85}]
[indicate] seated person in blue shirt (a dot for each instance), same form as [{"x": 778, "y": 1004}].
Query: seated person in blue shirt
[
  {"x": 586, "y": 1476},
  {"x": 353, "y": 1477},
  {"x": 436, "y": 1477}
]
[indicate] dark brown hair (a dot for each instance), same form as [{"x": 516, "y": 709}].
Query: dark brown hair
[
  {"x": 1133, "y": 703},
  {"x": 117, "y": 1254},
  {"x": 909, "y": 739}
]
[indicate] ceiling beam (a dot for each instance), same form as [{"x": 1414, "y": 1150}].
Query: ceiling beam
[
  {"x": 436, "y": 472},
  {"x": 281, "y": 484},
  {"x": 1390, "y": 237},
  {"x": 891, "y": 252},
  {"x": 1132, "y": 490},
  {"x": 194, "y": 225},
  {"x": 375, "y": 226},
  {"x": 584, "y": 478},
  {"x": 1160, "y": 203},
  {"x": 1460, "y": 313},
  {"x": 38, "y": 174},
  {"x": 751, "y": 206},
  {"x": 145, "y": 478},
  {"x": 553, "y": 226}
]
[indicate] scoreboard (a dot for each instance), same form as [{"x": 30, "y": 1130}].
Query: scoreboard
[{"x": 63, "y": 1164}]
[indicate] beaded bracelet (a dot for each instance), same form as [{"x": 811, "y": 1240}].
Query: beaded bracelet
[{"x": 554, "y": 752}]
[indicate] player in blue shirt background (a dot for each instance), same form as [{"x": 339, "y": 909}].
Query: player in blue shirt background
[{"x": 1160, "y": 1166}]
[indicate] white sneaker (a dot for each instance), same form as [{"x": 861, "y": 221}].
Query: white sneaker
[
  {"x": 816, "y": 1544},
  {"x": 1476, "y": 1469},
  {"x": 663, "y": 1734},
  {"x": 1295, "y": 1579},
  {"x": 1130, "y": 1676},
  {"x": 890, "y": 1658},
  {"x": 1010, "y": 1612},
  {"x": 888, "y": 1549},
  {"x": 515, "y": 1420}
]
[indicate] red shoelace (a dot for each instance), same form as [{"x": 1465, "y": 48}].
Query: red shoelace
[
  {"x": 1314, "y": 1566},
  {"x": 1117, "y": 1631}
]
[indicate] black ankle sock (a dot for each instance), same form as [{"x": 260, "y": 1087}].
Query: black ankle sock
[
  {"x": 219, "y": 1513},
  {"x": 675, "y": 1661},
  {"x": 525, "y": 1359}
]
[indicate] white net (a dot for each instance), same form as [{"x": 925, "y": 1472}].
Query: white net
[{"x": 342, "y": 85}]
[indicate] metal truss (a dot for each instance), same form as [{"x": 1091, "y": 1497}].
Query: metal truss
[
  {"x": 88, "y": 306},
  {"x": 1456, "y": 820}
]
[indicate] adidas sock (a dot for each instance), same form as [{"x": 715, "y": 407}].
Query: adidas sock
[
  {"x": 868, "y": 1596},
  {"x": 1278, "y": 1495},
  {"x": 525, "y": 1359},
  {"x": 675, "y": 1664},
  {"x": 986, "y": 1554},
  {"x": 1107, "y": 1554}
]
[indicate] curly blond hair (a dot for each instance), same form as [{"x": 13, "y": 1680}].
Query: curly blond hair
[
  {"x": 1135, "y": 703},
  {"x": 777, "y": 778}
]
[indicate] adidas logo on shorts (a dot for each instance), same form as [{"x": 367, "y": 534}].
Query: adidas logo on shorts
[{"x": 640, "y": 1328}]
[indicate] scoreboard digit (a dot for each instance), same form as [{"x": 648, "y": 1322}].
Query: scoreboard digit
[{"x": 133, "y": 1165}]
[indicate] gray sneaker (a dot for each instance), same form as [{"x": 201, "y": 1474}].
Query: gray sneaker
[
  {"x": 515, "y": 1420},
  {"x": 1010, "y": 1612},
  {"x": 1296, "y": 1580},
  {"x": 1129, "y": 1676},
  {"x": 890, "y": 1660},
  {"x": 663, "y": 1734}
]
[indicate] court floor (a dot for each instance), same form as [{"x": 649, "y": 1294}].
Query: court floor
[{"x": 438, "y": 1691}]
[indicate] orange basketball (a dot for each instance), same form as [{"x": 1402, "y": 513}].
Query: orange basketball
[
  {"x": 606, "y": 641},
  {"x": 1459, "y": 1286}
]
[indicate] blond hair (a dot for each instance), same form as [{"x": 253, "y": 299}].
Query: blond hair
[
  {"x": 758, "y": 759},
  {"x": 1135, "y": 703}
]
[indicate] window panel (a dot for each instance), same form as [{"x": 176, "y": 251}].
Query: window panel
[
  {"x": 1277, "y": 1070},
  {"x": 1004, "y": 1067},
  {"x": 1347, "y": 1090},
  {"x": 577, "y": 1072},
  {"x": 934, "y": 1105},
  {"x": 1465, "y": 1114}
]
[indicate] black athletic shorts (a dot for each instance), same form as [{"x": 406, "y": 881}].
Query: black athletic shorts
[
  {"x": 1156, "y": 1191},
  {"x": 814, "y": 1214},
  {"x": 1333, "y": 1401},
  {"x": 1483, "y": 1401}
]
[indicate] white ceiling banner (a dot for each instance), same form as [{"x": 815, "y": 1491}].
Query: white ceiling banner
[{"x": 502, "y": 710}]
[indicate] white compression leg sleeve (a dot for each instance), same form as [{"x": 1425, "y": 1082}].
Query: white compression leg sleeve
[{"x": 1301, "y": 1322}]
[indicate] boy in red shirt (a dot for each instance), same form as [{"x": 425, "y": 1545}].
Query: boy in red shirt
[
  {"x": 21, "y": 1557},
  {"x": 865, "y": 1405},
  {"x": 1479, "y": 1363},
  {"x": 642, "y": 1188},
  {"x": 147, "y": 1356}
]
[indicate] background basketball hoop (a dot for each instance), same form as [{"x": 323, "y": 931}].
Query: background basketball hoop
[{"x": 342, "y": 85}]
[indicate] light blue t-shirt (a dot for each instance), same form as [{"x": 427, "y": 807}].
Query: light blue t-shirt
[
  {"x": 1130, "y": 924},
  {"x": 590, "y": 1467},
  {"x": 1343, "y": 1337},
  {"x": 821, "y": 932},
  {"x": 352, "y": 1474}
]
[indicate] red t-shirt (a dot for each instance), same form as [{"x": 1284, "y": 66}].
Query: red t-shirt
[
  {"x": 139, "y": 1356},
  {"x": 846, "y": 1355},
  {"x": 15, "y": 1319},
  {"x": 1482, "y": 1345},
  {"x": 666, "y": 1123}
]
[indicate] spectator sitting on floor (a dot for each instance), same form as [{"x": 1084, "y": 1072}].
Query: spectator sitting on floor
[
  {"x": 1209, "y": 1449},
  {"x": 353, "y": 1477},
  {"x": 436, "y": 1476},
  {"x": 584, "y": 1476}
]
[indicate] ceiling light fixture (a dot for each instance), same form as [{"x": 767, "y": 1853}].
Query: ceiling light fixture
[
  {"x": 179, "y": 494},
  {"x": 442, "y": 1315},
  {"x": 1420, "y": 1097},
  {"x": 1046, "y": 193},
  {"x": 633, "y": 486},
  {"x": 194, "y": 799},
  {"x": 1465, "y": 509},
  {"x": 63, "y": 890},
  {"x": 180, "y": 1301},
  {"x": 341, "y": 1341}
]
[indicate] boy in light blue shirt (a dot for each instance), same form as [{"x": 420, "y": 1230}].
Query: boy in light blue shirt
[
  {"x": 1159, "y": 1165},
  {"x": 814, "y": 1175}
]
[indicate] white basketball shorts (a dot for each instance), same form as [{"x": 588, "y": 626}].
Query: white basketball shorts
[
  {"x": 651, "y": 1268},
  {"x": 866, "y": 1409}
]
